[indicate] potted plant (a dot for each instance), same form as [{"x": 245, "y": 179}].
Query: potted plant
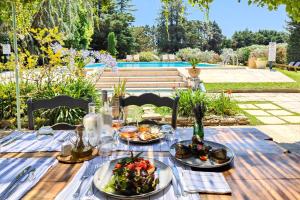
[
  {"x": 194, "y": 71},
  {"x": 261, "y": 62}
]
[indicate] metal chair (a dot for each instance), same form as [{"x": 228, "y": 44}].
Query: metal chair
[
  {"x": 150, "y": 98},
  {"x": 54, "y": 103}
]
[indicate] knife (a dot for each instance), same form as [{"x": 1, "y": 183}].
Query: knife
[
  {"x": 176, "y": 174},
  {"x": 13, "y": 185}
]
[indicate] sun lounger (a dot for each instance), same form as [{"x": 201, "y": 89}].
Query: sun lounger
[
  {"x": 291, "y": 66},
  {"x": 172, "y": 57},
  {"x": 129, "y": 58},
  {"x": 136, "y": 58},
  {"x": 165, "y": 58}
]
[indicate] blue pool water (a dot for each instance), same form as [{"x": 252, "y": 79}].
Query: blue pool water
[{"x": 152, "y": 64}]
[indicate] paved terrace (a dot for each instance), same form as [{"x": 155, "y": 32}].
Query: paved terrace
[{"x": 238, "y": 75}]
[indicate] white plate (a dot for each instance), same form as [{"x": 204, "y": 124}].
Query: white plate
[{"x": 104, "y": 173}]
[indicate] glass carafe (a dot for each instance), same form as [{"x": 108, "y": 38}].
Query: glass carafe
[{"x": 92, "y": 123}]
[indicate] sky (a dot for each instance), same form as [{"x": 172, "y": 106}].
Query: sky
[{"x": 230, "y": 16}]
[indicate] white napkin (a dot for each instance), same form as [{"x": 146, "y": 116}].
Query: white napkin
[
  {"x": 69, "y": 190},
  {"x": 204, "y": 182},
  {"x": 11, "y": 167},
  {"x": 28, "y": 142}
]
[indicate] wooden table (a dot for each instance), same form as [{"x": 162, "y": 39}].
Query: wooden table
[{"x": 262, "y": 169}]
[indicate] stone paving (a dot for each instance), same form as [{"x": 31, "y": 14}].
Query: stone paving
[
  {"x": 271, "y": 108},
  {"x": 238, "y": 75}
]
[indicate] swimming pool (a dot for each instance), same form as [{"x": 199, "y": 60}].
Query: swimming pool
[{"x": 151, "y": 64}]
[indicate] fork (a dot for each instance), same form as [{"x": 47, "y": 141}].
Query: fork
[
  {"x": 90, "y": 192},
  {"x": 86, "y": 174}
]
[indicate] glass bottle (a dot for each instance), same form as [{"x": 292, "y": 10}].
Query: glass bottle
[
  {"x": 92, "y": 123},
  {"x": 198, "y": 130}
]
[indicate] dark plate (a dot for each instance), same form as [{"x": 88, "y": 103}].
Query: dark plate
[{"x": 209, "y": 163}]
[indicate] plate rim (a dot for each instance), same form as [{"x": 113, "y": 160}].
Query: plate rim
[
  {"x": 134, "y": 196},
  {"x": 206, "y": 167}
]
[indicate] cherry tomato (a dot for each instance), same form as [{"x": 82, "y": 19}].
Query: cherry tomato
[
  {"x": 118, "y": 166},
  {"x": 203, "y": 158}
]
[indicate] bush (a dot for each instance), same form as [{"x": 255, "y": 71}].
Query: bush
[
  {"x": 217, "y": 105},
  {"x": 148, "y": 56},
  {"x": 188, "y": 54},
  {"x": 281, "y": 53},
  {"x": 76, "y": 88}
]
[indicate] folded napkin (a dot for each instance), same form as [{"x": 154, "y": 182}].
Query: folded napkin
[
  {"x": 204, "y": 182},
  {"x": 11, "y": 167},
  {"x": 69, "y": 190},
  {"x": 28, "y": 142}
]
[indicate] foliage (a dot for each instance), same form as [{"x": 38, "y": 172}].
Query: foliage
[
  {"x": 112, "y": 43},
  {"x": 259, "y": 52},
  {"x": 148, "y": 56},
  {"x": 194, "y": 62},
  {"x": 262, "y": 37},
  {"x": 118, "y": 19},
  {"x": 187, "y": 54},
  {"x": 281, "y": 53},
  {"x": 144, "y": 38},
  {"x": 170, "y": 29},
  {"x": 293, "y": 53},
  {"x": 120, "y": 89},
  {"x": 223, "y": 105},
  {"x": 217, "y": 105}
]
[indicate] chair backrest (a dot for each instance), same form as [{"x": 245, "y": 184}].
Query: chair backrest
[
  {"x": 54, "y": 103},
  {"x": 150, "y": 98},
  {"x": 297, "y": 64},
  {"x": 292, "y": 63}
]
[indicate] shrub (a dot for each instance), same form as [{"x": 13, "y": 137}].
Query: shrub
[
  {"x": 188, "y": 54},
  {"x": 243, "y": 54},
  {"x": 281, "y": 53},
  {"x": 112, "y": 43},
  {"x": 217, "y": 105},
  {"x": 148, "y": 56},
  {"x": 259, "y": 51}
]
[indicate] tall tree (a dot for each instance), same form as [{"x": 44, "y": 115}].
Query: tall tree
[
  {"x": 144, "y": 38},
  {"x": 113, "y": 20},
  {"x": 170, "y": 39},
  {"x": 293, "y": 53},
  {"x": 112, "y": 42}
]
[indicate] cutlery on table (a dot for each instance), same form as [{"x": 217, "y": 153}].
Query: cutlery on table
[
  {"x": 176, "y": 174},
  {"x": 21, "y": 178},
  {"x": 90, "y": 191},
  {"x": 87, "y": 173}
]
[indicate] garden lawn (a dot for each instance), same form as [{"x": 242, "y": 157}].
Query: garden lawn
[{"x": 214, "y": 87}]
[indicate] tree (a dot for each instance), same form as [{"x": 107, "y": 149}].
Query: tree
[
  {"x": 112, "y": 43},
  {"x": 212, "y": 37},
  {"x": 292, "y": 7},
  {"x": 293, "y": 53},
  {"x": 144, "y": 38},
  {"x": 171, "y": 39},
  {"x": 262, "y": 37},
  {"x": 113, "y": 20}
]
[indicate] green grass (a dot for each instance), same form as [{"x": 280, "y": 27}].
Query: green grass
[{"x": 210, "y": 87}]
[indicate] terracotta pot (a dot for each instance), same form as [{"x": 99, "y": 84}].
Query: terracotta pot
[
  {"x": 194, "y": 72},
  {"x": 261, "y": 64},
  {"x": 251, "y": 62}
]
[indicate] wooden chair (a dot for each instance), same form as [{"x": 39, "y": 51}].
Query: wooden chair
[
  {"x": 54, "y": 103},
  {"x": 150, "y": 98}
]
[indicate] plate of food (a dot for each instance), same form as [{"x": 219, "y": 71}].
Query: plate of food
[
  {"x": 132, "y": 177},
  {"x": 142, "y": 134},
  {"x": 201, "y": 154}
]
